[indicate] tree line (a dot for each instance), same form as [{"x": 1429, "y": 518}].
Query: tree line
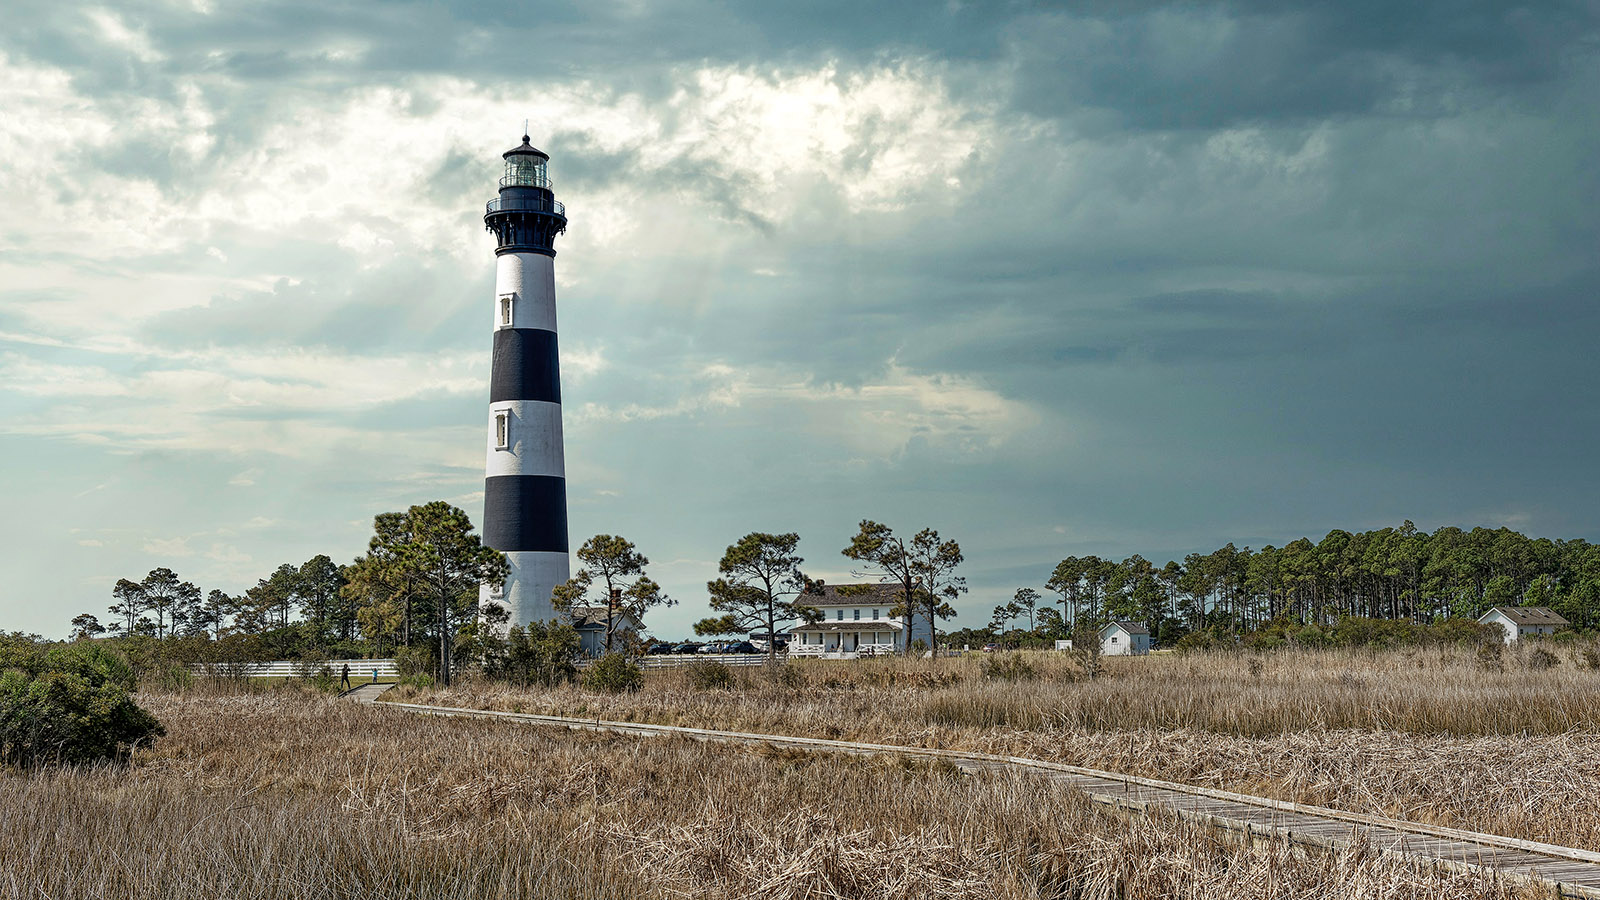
[
  {"x": 417, "y": 587},
  {"x": 1399, "y": 574}
]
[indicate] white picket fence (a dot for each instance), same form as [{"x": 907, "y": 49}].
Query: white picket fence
[
  {"x": 673, "y": 660},
  {"x": 360, "y": 669}
]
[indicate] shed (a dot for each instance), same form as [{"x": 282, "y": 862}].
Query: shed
[
  {"x": 1122, "y": 638},
  {"x": 1522, "y": 621}
]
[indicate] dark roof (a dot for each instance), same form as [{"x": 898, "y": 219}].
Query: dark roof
[
  {"x": 858, "y": 594},
  {"x": 526, "y": 149},
  {"x": 1129, "y": 627},
  {"x": 1528, "y": 615},
  {"x": 596, "y": 615}
]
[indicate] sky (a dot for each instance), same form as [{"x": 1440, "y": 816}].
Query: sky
[{"x": 1050, "y": 278}]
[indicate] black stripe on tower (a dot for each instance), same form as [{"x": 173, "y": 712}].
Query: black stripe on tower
[
  {"x": 525, "y": 366},
  {"x": 525, "y": 512}
]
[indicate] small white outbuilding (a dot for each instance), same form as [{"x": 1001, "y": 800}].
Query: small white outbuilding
[
  {"x": 1522, "y": 621},
  {"x": 1124, "y": 639}
]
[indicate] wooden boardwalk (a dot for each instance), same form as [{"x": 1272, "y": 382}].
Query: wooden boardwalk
[
  {"x": 367, "y": 693},
  {"x": 1566, "y": 871}
]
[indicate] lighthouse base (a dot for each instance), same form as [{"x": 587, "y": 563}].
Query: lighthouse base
[{"x": 526, "y": 594}]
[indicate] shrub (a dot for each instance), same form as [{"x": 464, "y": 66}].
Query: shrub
[
  {"x": 415, "y": 661},
  {"x": 311, "y": 665},
  {"x": 1491, "y": 656},
  {"x": 175, "y": 678},
  {"x": 783, "y": 674},
  {"x": 421, "y": 681},
  {"x": 535, "y": 654},
  {"x": 1459, "y": 630},
  {"x": 67, "y": 705},
  {"x": 613, "y": 673},
  {"x": 1193, "y": 641},
  {"x": 708, "y": 674},
  {"x": 1010, "y": 667},
  {"x": 1540, "y": 659}
]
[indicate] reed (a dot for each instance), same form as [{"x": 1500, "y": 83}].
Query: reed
[
  {"x": 292, "y": 795},
  {"x": 1430, "y": 735}
]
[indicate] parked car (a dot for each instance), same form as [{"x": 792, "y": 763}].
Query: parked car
[
  {"x": 687, "y": 647},
  {"x": 991, "y": 648},
  {"x": 715, "y": 647},
  {"x": 658, "y": 649},
  {"x": 742, "y": 647}
]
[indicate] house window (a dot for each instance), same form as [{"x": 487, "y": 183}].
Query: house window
[
  {"x": 839, "y": 615},
  {"x": 506, "y": 302},
  {"x": 1113, "y": 639},
  {"x": 874, "y": 614},
  {"x": 858, "y": 615},
  {"x": 502, "y": 429}
]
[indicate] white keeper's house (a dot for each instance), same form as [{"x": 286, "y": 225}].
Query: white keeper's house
[
  {"x": 855, "y": 621},
  {"x": 1125, "y": 639},
  {"x": 1524, "y": 621}
]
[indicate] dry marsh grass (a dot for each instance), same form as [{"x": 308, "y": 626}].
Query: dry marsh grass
[
  {"x": 1428, "y": 735},
  {"x": 286, "y": 795}
]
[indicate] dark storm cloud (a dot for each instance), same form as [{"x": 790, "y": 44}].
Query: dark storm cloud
[{"x": 1211, "y": 65}]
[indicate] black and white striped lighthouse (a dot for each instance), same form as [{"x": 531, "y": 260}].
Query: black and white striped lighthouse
[{"x": 525, "y": 488}]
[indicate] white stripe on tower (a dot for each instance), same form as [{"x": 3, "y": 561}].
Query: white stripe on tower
[
  {"x": 524, "y": 504},
  {"x": 531, "y": 277},
  {"x": 533, "y": 440}
]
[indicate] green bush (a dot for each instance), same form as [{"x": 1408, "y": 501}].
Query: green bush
[
  {"x": 708, "y": 674},
  {"x": 1196, "y": 641},
  {"x": 415, "y": 661},
  {"x": 67, "y": 705},
  {"x": 535, "y": 654},
  {"x": 613, "y": 673},
  {"x": 422, "y": 681},
  {"x": 175, "y": 677}
]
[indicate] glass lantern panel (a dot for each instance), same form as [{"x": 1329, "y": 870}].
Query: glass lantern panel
[{"x": 525, "y": 171}]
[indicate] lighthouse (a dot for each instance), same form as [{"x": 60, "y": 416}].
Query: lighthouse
[{"x": 525, "y": 487}]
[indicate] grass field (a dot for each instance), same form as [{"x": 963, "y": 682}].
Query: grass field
[
  {"x": 290, "y": 794},
  {"x": 1441, "y": 736}
]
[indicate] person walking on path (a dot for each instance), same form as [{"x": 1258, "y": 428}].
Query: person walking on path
[{"x": 344, "y": 678}]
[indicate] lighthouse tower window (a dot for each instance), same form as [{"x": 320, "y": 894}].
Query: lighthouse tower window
[
  {"x": 502, "y": 429},
  {"x": 506, "y": 302}
]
